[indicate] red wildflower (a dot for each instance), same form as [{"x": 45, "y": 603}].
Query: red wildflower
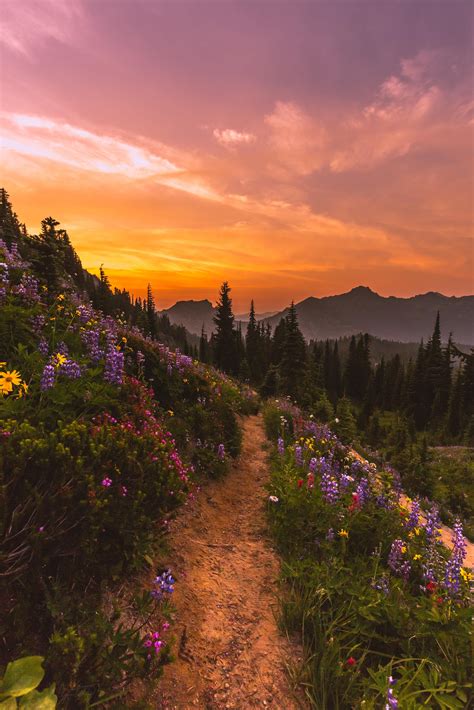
[
  {"x": 430, "y": 587},
  {"x": 351, "y": 661},
  {"x": 300, "y": 482}
]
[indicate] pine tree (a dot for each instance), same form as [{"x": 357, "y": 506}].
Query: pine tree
[
  {"x": 203, "y": 346},
  {"x": 293, "y": 361},
  {"x": 224, "y": 342},
  {"x": 253, "y": 347},
  {"x": 10, "y": 228},
  {"x": 150, "y": 312}
]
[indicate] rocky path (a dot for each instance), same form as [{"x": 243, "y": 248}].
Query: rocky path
[{"x": 231, "y": 654}]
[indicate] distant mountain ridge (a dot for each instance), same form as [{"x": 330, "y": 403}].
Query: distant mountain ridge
[{"x": 358, "y": 310}]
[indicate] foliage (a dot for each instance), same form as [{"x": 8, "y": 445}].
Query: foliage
[
  {"x": 21, "y": 680},
  {"x": 366, "y": 583},
  {"x": 105, "y": 432}
]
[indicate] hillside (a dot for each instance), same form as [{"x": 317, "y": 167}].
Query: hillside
[{"x": 193, "y": 315}]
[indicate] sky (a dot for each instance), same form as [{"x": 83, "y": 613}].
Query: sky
[{"x": 293, "y": 148}]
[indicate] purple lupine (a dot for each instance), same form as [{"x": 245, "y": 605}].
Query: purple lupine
[
  {"x": 221, "y": 452},
  {"x": 432, "y": 524},
  {"x": 113, "y": 370},
  {"x": 313, "y": 464},
  {"x": 452, "y": 577},
  {"x": 362, "y": 491},
  {"x": 91, "y": 339},
  {"x": 43, "y": 347},
  {"x": 329, "y": 487},
  {"x": 48, "y": 378},
  {"x": 392, "y": 702},
  {"x": 298, "y": 455},
  {"x": 106, "y": 482},
  {"x": 164, "y": 584},
  {"x": 281, "y": 446},
  {"x": 27, "y": 289},
  {"x": 140, "y": 358},
  {"x": 381, "y": 584},
  {"x": 396, "y": 561},
  {"x": 330, "y": 535},
  {"x": 70, "y": 369},
  {"x": 414, "y": 517}
]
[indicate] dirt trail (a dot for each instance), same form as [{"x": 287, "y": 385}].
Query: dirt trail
[{"x": 231, "y": 653}]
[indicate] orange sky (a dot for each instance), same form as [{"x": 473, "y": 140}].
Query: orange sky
[{"x": 293, "y": 153}]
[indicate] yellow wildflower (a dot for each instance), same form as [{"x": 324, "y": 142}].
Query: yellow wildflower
[
  {"x": 61, "y": 297},
  {"x": 343, "y": 533},
  {"x": 417, "y": 531},
  {"x": 467, "y": 576},
  {"x": 124, "y": 340},
  {"x": 8, "y": 378},
  {"x": 403, "y": 548},
  {"x": 417, "y": 557},
  {"x": 60, "y": 359},
  {"x": 170, "y": 412}
]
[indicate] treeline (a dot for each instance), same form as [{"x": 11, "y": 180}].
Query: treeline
[
  {"x": 433, "y": 392},
  {"x": 52, "y": 255}
]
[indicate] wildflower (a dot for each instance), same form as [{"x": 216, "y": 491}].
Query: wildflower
[
  {"x": 343, "y": 533},
  {"x": 298, "y": 455},
  {"x": 9, "y": 378},
  {"x": 416, "y": 557},
  {"x": 330, "y": 535},
  {"x": 329, "y": 487},
  {"x": 164, "y": 585},
  {"x": 221, "y": 452},
  {"x": 113, "y": 370},
  {"x": 300, "y": 482},
  {"x": 123, "y": 491},
  {"x": 351, "y": 662},
  {"x": 106, "y": 482},
  {"x": 414, "y": 517},
  {"x": 381, "y": 584},
  {"x": 281, "y": 446},
  {"x": 58, "y": 359},
  {"x": 47, "y": 378},
  {"x": 454, "y": 564},
  {"x": 466, "y": 576},
  {"x": 392, "y": 702},
  {"x": 395, "y": 559},
  {"x": 273, "y": 499}
]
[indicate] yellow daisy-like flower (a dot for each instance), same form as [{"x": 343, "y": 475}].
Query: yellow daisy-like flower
[
  {"x": 403, "y": 548},
  {"x": 417, "y": 531},
  {"x": 61, "y": 297},
  {"x": 170, "y": 412},
  {"x": 417, "y": 557},
  {"x": 9, "y": 378},
  {"x": 23, "y": 389},
  {"x": 124, "y": 340},
  {"x": 343, "y": 533},
  {"x": 467, "y": 576},
  {"x": 60, "y": 359}
]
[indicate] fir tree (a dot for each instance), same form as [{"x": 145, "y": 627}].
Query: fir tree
[
  {"x": 293, "y": 361},
  {"x": 225, "y": 350}
]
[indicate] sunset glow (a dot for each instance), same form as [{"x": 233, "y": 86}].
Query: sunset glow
[{"x": 293, "y": 149}]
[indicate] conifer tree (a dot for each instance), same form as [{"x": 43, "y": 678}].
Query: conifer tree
[
  {"x": 293, "y": 361},
  {"x": 150, "y": 312},
  {"x": 225, "y": 338}
]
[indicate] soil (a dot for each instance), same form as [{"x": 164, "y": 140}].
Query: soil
[{"x": 231, "y": 653}]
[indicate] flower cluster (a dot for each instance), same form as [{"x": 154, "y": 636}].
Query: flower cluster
[{"x": 164, "y": 584}]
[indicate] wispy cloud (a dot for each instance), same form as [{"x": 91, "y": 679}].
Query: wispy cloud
[
  {"x": 229, "y": 138},
  {"x": 28, "y": 23},
  {"x": 70, "y": 146},
  {"x": 298, "y": 141}
]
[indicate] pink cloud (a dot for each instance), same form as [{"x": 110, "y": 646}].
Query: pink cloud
[
  {"x": 29, "y": 23},
  {"x": 229, "y": 138}
]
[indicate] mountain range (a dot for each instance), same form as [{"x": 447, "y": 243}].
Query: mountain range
[{"x": 358, "y": 310}]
